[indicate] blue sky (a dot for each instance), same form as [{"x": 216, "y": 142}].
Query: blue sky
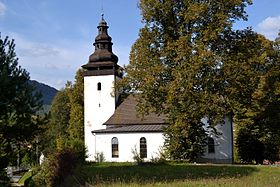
[{"x": 54, "y": 37}]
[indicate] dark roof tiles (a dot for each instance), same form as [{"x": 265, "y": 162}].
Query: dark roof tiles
[
  {"x": 132, "y": 128},
  {"x": 126, "y": 114}
]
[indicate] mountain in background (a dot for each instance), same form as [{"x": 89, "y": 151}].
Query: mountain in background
[{"x": 48, "y": 93}]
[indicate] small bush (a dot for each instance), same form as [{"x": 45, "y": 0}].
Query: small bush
[
  {"x": 136, "y": 156},
  {"x": 99, "y": 157},
  {"x": 4, "y": 179},
  {"x": 160, "y": 159},
  {"x": 57, "y": 167},
  {"x": 26, "y": 161}
]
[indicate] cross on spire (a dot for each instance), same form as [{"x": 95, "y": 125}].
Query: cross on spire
[{"x": 102, "y": 8}]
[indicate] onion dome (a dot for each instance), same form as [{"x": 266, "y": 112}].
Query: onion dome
[{"x": 103, "y": 57}]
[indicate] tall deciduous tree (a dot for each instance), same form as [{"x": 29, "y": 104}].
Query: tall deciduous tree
[
  {"x": 259, "y": 115},
  {"x": 176, "y": 67},
  {"x": 59, "y": 118},
  {"x": 66, "y": 126},
  {"x": 18, "y": 101},
  {"x": 76, "y": 96}
]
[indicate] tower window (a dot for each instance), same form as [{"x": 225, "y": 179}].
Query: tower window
[
  {"x": 115, "y": 147},
  {"x": 211, "y": 145},
  {"x": 143, "y": 147},
  {"x": 99, "y": 86}
]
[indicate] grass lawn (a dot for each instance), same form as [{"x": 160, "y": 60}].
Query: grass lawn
[
  {"x": 25, "y": 177},
  {"x": 175, "y": 174}
]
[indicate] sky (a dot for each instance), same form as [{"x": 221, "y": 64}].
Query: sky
[{"x": 54, "y": 37}]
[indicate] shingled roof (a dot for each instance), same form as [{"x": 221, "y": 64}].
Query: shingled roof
[
  {"x": 132, "y": 128},
  {"x": 126, "y": 114}
]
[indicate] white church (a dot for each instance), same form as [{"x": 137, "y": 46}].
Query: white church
[{"x": 114, "y": 129}]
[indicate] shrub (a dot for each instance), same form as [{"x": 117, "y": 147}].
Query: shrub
[
  {"x": 4, "y": 179},
  {"x": 40, "y": 175},
  {"x": 136, "y": 156},
  {"x": 78, "y": 147},
  {"x": 99, "y": 157},
  {"x": 161, "y": 157},
  {"x": 26, "y": 161},
  {"x": 250, "y": 145},
  {"x": 57, "y": 167}
]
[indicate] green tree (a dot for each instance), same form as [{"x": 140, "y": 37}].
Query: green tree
[
  {"x": 4, "y": 160},
  {"x": 176, "y": 68},
  {"x": 66, "y": 123},
  {"x": 57, "y": 133},
  {"x": 258, "y": 118},
  {"x": 18, "y": 102},
  {"x": 76, "y": 96}
]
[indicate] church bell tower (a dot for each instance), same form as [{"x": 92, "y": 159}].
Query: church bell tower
[{"x": 100, "y": 74}]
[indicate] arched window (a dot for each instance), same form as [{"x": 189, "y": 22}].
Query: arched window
[
  {"x": 115, "y": 147},
  {"x": 143, "y": 147},
  {"x": 211, "y": 145},
  {"x": 99, "y": 86}
]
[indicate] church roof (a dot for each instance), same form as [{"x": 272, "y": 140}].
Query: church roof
[
  {"x": 132, "y": 128},
  {"x": 126, "y": 114},
  {"x": 103, "y": 58}
]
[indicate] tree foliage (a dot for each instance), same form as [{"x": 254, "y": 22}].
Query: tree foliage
[
  {"x": 18, "y": 101},
  {"x": 76, "y": 96},
  {"x": 59, "y": 118},
  {"x": 176, "y": 67},
  {"x": 65, "y": 127},
  {"x": 259, "y": 121},
  {"x": 189, "y": 63},
  {"x": 57, "y": 168}
]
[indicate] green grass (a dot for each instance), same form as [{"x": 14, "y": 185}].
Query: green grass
[
  {"x": 175, "y": 174},
  {"x": 26, "y": 175}
]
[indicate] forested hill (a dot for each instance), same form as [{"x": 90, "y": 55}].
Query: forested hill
[{"x": 48, "y": 92}]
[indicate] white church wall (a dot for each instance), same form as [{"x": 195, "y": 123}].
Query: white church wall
[
  {"x": 127, "y": 143},
  {"x": 223, "y": 144},
  {"x": 99, "y": 106}
]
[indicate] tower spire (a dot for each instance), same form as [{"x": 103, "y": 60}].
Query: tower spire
[
  {"x": 102, "y": 8},
  {"x": 102, "y": 57}
]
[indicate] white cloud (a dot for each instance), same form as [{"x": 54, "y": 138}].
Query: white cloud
[
  {"x": 39, "y": 50},
  {"x": 52, "y": 64},
  {"x": 2, "y": 9},
  {"x": 270, "y": 27},
  {"x": 56, "y": 63}
]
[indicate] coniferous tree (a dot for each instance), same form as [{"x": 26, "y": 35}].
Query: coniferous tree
[{"x": 18, "y": 102}]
